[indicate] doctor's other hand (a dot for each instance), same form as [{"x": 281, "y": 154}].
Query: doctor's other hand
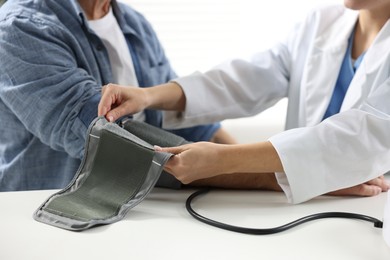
[
  {"x": 194, "y": 161},
  {"x": 118, "y": 101}
]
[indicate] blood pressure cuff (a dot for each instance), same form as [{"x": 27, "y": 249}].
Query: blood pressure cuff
[{"x": 118, "y": 170}]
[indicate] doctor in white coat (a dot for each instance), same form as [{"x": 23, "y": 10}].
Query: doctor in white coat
[{"x": 335, "y": 70}]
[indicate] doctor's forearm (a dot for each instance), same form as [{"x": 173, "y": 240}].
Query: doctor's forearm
[
  {"x": 256, "y": 158},
  {"x": 169, "y": 96}
]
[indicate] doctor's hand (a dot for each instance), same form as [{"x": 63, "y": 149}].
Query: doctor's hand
[
  {"x": 118, "y": 101},
  {"x": 194, "y": 161},
  {"x": 203, "y": 160}
]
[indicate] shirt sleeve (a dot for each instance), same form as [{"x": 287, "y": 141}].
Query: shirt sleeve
[{"x": 43, "y": 85}]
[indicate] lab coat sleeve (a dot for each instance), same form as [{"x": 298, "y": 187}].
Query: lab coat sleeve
[
  {"x": 240, "y": 88},
  {"x": 237, "y": 88},
  {"x": 345, "y": 150}
]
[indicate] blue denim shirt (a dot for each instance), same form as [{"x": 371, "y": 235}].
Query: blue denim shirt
[{"x": 52, "y": 67}]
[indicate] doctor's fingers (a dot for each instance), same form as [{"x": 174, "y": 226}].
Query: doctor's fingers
[
  {"x": 194, "y": 161},
  {"x": 179, "y": 170},
  {"x": 118, "y": 101},
  {"x": 180, "y": 164},
  {"x": 188, "y": 167},
  {"x": 108, "y": 99},
  {"x": 172, "y": 150}
]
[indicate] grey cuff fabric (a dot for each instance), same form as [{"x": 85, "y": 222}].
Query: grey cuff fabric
[{"x": 118, "y": 170}]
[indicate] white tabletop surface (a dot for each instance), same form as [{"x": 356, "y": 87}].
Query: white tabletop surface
[{"x": 161, "y": 228}]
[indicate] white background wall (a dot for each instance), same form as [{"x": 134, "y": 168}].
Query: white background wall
[{"x": 199, "y": 34}]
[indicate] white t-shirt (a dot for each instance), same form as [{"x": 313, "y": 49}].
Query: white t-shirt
[{"x": 108, "y": 30}]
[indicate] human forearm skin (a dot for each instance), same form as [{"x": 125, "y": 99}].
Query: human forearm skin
[
  {"x": 204, "y": 160},
  {"x": 169, "y": 96},
  {"x": 257, "y": 157}
]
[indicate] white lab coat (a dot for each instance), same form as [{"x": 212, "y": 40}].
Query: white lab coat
[{"x": 318, "y": 157}]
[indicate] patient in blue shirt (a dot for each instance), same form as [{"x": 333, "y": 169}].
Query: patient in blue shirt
[{"x": 52, "y": 67}]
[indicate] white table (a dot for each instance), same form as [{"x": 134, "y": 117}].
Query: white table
[{"x": 161, "y": 228}]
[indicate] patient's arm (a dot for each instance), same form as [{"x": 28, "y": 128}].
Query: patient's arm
[{"x": 247, "y": 181}]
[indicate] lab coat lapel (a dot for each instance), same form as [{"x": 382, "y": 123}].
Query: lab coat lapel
[
  {"x": 323, "y": 66},
  {"x": 368, "y": 70}
]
